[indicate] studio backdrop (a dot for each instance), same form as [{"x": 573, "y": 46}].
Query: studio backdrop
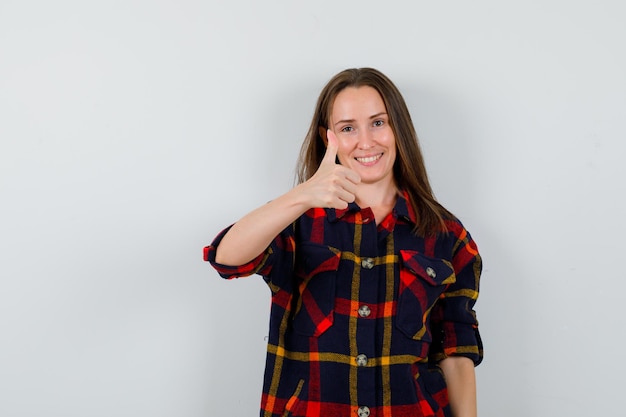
[{"x": 132, "y": 132}]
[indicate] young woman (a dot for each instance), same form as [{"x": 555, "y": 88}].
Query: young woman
[{"x": 373, "y": 282}]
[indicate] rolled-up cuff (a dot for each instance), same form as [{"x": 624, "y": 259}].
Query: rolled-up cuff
[
  {"x": 466, "y": 342},
  {"x": 230, "y": 271}
]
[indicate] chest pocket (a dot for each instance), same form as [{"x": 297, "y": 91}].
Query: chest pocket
[
  {"x": 316, "y": 277},
  {"x": 422, "y": 280}
]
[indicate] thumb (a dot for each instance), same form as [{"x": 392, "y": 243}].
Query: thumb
[{"x": 331, "y": 148}]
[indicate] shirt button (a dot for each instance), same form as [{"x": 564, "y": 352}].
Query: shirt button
[
  {"x": 367, "y": 263},
  {"x": 431, "y": 272},
  {"x": 364, "y": 311},
  {"x": 363, "y": 411},
  {"x": 361, "y": 360}
]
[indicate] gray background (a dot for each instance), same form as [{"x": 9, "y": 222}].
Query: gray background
[{"x": 133, "y": 131}]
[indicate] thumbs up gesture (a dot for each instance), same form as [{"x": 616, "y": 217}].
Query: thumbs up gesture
[{"x": 332, "y": 185}]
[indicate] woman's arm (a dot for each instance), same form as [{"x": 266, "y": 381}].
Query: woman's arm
[
  {"x": 332, "y": 186},
  {"x": 461, "y": 382},
  {"x": 253, "y": 233}
]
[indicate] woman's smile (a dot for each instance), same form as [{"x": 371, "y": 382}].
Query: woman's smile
[{"x": 369, "y": 160}]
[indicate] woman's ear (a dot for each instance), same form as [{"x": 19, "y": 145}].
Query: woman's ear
[{"x": 323, "y": 131}]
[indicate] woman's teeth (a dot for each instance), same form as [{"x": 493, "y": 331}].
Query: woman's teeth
[{"x": 369, "y": 159}]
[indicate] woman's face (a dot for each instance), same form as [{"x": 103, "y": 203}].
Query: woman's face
[{"x": 367, "y": 144}]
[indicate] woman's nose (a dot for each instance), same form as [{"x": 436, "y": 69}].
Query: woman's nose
[{"x": 366, "y": 139}]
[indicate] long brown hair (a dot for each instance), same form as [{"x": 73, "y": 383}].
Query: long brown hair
[{"x": 409, "y": 169}]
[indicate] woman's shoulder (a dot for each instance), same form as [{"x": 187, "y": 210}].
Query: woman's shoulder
[{"x": 455, "y": 226}]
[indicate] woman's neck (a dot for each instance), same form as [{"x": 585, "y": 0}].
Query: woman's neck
[{"x": 381, "y": 198}]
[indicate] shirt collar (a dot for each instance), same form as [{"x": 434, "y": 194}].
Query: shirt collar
[
  {"x": 402, "y": 210},
  {"x": 336, "y": 214}
]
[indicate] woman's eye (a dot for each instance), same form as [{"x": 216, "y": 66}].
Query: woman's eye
[
  {"x": 347, "y": 129},
  {"x": 378, "y": 123}
]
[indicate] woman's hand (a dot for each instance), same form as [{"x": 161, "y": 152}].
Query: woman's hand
[{"x": 332, "y": 185}]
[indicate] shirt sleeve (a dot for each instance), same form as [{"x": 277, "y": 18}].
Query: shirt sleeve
[
  {"x": 453, "y": 321},
  {"x": 281, "y": 251}
]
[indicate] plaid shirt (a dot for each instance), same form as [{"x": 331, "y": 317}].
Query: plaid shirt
[{"x": 357, "y": 311}]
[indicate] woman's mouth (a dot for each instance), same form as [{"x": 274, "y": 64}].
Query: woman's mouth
[{"x": 369, "y": 159}]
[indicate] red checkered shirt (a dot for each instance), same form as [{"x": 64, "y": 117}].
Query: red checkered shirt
[{"x": 361, "y": 313}]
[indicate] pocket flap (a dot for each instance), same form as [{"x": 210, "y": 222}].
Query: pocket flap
[{"x": 435, "y": 271}]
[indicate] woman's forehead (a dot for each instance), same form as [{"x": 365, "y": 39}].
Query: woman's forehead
[{"x": 362, "y": 101}]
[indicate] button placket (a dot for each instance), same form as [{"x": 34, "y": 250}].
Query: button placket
[{"x": 368, "y": 266}]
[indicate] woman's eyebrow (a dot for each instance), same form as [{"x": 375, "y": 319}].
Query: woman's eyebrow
[
  {"x": 344, "y": 121},
  {"x": 382, "y": 113}
]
